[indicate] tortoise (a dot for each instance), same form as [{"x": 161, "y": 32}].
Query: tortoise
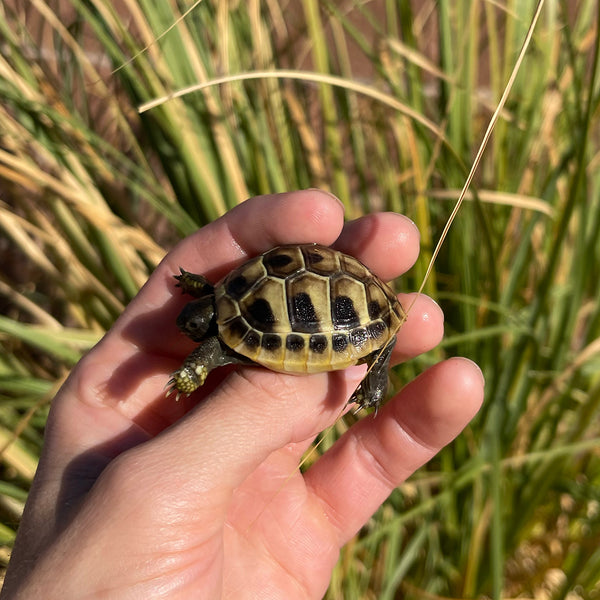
[{"x": 295, "y": 309}]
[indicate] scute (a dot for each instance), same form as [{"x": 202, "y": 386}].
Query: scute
[
  {"x": 282, "y": 262},
  {"x": 241, "y": 282},
  {"x": 348, "y": 306},
  {"x": 305, "y": 309},
  {"x": 308, "y": 302},
  {"x": 321, "y": 260},
  {"x": 355, "y": 268},
  {"x": 265, "y": 308}
]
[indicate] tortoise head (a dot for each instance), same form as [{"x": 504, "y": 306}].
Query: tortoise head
[{"x": 197, "y": 318}]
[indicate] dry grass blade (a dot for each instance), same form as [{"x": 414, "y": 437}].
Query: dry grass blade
[
  {"x": 312, "y": 77},
  {"x": 156, "y": 39},
  {"x": 501, "y": 198}
]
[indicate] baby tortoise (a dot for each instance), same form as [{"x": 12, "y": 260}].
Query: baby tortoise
[{"x": 294, "y": 309}]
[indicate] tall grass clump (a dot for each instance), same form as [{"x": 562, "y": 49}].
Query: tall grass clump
[{"x": 384, "y": 104}]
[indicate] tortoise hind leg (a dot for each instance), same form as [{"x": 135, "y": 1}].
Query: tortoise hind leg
[{"x": 371, "y": 390}]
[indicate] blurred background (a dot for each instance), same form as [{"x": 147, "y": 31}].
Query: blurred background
[{"x": 384, "y": 103}]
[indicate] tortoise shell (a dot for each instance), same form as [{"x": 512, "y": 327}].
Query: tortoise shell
[{"x": 304, "y": 309}]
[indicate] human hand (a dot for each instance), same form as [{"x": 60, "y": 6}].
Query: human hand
[{"x": 139, "y": 496}]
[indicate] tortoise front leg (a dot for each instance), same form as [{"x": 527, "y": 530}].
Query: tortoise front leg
[
  {"x": 371, "y": 390},
  {"x": 192, "y": 284},
  {"x": 199, "y": 363}
]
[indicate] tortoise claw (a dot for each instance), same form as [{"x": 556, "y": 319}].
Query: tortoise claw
[
  {"x": 171, "y": 386},
  {"x": 186, "y": 380}
]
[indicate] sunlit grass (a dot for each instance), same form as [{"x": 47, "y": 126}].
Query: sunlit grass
[{"x": 384, "y": 104}]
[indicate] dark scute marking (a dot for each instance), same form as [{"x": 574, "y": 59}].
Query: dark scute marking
[
  {"x": 276, "y": 261},
  {"x": 318, "y": 343},
  {"x": 261, "y": 312},
  {"x": 238, "y": 327},
  {"x": 339, "y": 342},
  {"x": 344, "y": 315},
  {"x": 294, "y": 342},
  {"x": 237, "y": 286},
  {"x": 304, "y": 316},
  {"x": 374, "y": 309},
  {"x": 252, "y": 340},
  {"x": 315, "y": 257},
  {"x": 271, "y": 342},
  {"x": 358, "y": 337},
  {"x": 376, "y": 330}
]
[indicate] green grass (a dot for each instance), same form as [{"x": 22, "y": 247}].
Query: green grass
[{"x": 386, "y": 106}]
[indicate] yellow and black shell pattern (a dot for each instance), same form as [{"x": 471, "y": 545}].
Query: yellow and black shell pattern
[{"x": 304, "y": 309}]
